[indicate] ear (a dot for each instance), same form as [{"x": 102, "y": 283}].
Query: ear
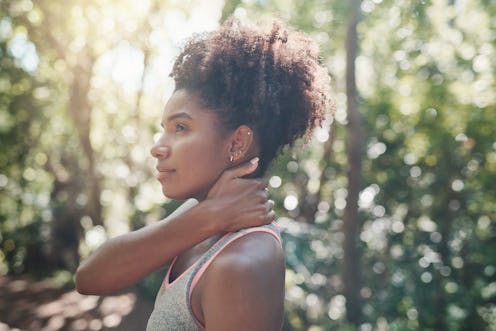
[{"x": 241, "y": 144}]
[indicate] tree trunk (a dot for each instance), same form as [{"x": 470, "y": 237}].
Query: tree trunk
[
  {"x": 310, "y": 204},
  {"x": 82, "y": 181},
  {"x": 352, "y": 224},
  {"x": 75, "y": 193},
  {"x": 80, "y": 110}
]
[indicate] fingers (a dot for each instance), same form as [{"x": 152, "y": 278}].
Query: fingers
[
  {"x": 243, "y": 169},
  {"x": 269, "y": 212},
  {"x": 271, "y": 216},
  {"x": 258, "y": 191},
  {"x": 269, "y": 205},
  {"x": 268, "y": 218}
]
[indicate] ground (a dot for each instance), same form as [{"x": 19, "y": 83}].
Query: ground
[{"x": 27, "y": 305}]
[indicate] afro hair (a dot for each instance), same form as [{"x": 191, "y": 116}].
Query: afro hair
[{"x": 264, "y": 76}]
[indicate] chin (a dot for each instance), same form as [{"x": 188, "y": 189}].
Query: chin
[
  {"x": 173, "y": 195},
  {"x": 176, "y": 195},
  {"x": 183, "y": 195}
]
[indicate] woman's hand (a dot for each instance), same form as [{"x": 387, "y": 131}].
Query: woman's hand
[
  {"x": 240, "y": 202},
  {"x": 232, "y": 203}
]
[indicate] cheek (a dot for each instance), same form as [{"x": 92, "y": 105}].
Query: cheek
[
  {"x": 209, "y": 161},
  {"x": 206, "y": 161}
]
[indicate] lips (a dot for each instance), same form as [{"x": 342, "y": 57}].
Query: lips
[{"x": 163, "y": 173}]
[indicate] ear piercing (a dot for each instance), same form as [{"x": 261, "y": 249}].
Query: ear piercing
[{"x": 236, "y": 155}]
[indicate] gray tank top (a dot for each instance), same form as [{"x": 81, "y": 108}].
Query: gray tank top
[{"x": 172, "y": 311}]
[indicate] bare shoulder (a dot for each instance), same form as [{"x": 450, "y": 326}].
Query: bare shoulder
[
  {"x": 253, "y": 260},
  {"x": 250, "y": 250},
  {"x": 246, "y": 281}
]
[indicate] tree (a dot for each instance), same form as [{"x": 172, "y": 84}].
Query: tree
[
  {"x": 423, "y": 224},
  {"x": 82, "y": 83},
  {"x": 351, "y": 218}
]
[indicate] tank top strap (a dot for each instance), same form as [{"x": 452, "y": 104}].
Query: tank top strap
[{"x": 213, "y": 251}]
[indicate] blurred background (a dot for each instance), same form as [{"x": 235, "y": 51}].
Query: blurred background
[{"x": 388, "y": 214}]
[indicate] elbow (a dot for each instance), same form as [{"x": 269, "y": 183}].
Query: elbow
[
  {"x": 83, "y": 284},
  {"x": 88, "y": 283}
]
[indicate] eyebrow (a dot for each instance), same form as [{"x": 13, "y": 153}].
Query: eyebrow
[{"x": 177, "y": 115}]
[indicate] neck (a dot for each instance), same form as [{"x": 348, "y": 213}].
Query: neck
[{"x": 201, "y": 195}]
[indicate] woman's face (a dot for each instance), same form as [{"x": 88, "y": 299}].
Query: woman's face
[{"x": 191, "y": 153}]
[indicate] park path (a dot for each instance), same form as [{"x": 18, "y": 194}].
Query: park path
[{"x": 27, "y": 305}]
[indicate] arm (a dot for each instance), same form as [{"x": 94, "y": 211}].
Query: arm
[
  {"x": 244, "y": 286},
  {"x": 124, "y": 260}
]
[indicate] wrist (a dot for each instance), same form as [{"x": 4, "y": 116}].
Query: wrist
[{"x": 212, "y": 220}]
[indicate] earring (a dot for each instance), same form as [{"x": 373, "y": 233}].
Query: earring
[{"x": 235, "y": 156}]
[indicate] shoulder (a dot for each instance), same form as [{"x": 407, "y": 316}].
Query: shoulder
[
  {"x": 253, "y": 255},
  {"x": 255, "y": 249},
  {"x": 246, "y": 280}
]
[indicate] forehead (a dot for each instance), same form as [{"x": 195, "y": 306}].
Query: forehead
[{"x": 183, "y": 101}]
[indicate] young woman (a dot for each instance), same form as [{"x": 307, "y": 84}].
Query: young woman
[{"x": 241, "y": 93}]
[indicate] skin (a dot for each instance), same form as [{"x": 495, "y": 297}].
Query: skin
[
  {"x": 191, "y": 153},
  {"x": 243, "y": 288}
]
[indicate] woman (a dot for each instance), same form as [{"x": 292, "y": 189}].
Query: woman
[{"x": 241, "y": 94}]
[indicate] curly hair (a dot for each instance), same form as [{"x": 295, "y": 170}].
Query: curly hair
[{"x": 265, "y": 76}]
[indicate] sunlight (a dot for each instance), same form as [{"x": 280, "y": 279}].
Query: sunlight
[
  {"x": 291, "y": 202},
  {"x": 24, "y": 52},
  {"x": 274, "y": 181},
  {"x": 337, "y": 307},
  {"x": 125, "y": 64},
  {"x": 83, "y": 86}
]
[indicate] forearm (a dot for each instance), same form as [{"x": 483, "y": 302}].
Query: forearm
[{"x": 126, "y": 259}]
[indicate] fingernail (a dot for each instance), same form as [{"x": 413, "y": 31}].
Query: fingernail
[{"x": 254, "y": 160}]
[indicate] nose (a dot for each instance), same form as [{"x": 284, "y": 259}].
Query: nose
[{"x": 159, "y": 150}]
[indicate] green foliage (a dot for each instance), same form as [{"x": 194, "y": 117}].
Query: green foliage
[
  {"x": 426, "y": 76},
  {"x": 427, "y": 203},
  {"x": 22, "y": 183}
]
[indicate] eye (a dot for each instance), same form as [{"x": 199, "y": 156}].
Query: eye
[{"x": 180, "y": 127}]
